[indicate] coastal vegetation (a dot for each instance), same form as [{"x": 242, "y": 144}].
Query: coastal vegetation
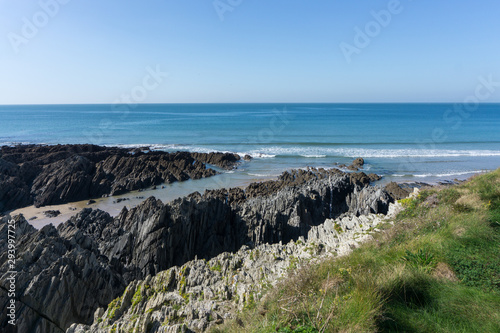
[{"x": 435, "y": 268}]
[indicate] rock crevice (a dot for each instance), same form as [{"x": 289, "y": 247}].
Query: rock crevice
[{"x": 89, "y": 260}]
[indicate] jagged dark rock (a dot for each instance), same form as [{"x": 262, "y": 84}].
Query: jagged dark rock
[
  {"x": 374, "y": 177},
  {"x": 68, "y": 272},
  {"x": 48, "y": 175},
  {"x": 395, "y": 191},
  {"x": 356, "y": 164},
  {"x": 223, "y": 160},
  {"x": 60, "y": 278},
  {"x": 14, "y": 191},
  {"x": 51, "y": 213}
]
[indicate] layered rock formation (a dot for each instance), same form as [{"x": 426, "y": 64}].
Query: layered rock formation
[
  {"x": 69, "y": 272},
  {"x": 60, "y": 278},
  {"x": 396, "y": 191},
  {"x": 201, "y": 294},
  {"x": 47, "y": 175}
]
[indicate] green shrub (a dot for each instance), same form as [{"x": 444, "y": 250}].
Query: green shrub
[
  {"x": 137, "y": 298},
  {"x": 423, "y": 259}
]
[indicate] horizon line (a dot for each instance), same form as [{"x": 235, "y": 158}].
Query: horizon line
[{"x": 186, "y": 103}]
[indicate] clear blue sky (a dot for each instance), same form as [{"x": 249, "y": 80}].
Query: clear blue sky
[{"x": 93, "y": 51}]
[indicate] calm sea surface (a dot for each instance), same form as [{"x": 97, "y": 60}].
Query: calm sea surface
[{"x": 416, "y": 142}]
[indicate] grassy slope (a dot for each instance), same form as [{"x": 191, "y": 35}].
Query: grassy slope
[{"x": 436, "y": 270}]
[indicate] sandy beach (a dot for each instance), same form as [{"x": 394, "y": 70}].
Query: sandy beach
[{"x": 114, "y": 204}]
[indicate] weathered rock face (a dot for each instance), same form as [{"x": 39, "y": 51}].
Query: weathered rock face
[
  {"x": 68, "y": 272},
  {"x": 44, "y": 175},
  {"x": 14, "y": 191},
  {"x": 223, "y": 160},
  {"x": 202, "y": 294},
  {"x": 396, "y": 192},
  {"x": 60, "y": 278},
  {"x": 156, "y": 236}
]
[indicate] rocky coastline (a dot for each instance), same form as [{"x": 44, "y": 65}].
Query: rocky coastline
[
  {"x": 43, "y": 175},
  {"x": 202, "y": 294},
  {"x": 68, "y": 275}
]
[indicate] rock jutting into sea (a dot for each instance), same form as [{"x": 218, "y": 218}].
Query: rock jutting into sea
[
  {"x": 66, "y": 273},
  {"x": 49, "y": 175}
]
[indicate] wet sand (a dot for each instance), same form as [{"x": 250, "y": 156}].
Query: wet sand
[{"x": 114, "y": 205}]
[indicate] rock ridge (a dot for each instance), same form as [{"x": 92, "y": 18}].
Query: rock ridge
[
  {"x": 86, "y": 262},
  {"x": 49, "y": 175},
  {"x": 202, "y": 294}
]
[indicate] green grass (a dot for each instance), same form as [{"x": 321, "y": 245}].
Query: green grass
[
  {"x": 217, "y": 267},
  {"x": 137, "y": 298},
  {"x": 436, "y": 270}
]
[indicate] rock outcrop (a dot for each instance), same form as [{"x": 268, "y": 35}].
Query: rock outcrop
[
  {"x": 396, "y": 191},
  {"x": 223, "y": 160},
  {"x": 60, "y": 278},
  {"x": 48, "y": 175},
  {"x": 69, "y": 272},
  {"x": 356, "y": 164},
  {"x": 202, "y": 294}
]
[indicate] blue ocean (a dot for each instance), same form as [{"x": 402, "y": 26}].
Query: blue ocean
[{"x": 402, "y": 142}]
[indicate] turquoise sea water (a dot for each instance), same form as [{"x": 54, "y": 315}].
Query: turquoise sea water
[{"x": 416, "y": 142}]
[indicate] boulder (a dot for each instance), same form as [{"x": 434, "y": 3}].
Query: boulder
[{"x": 395, "y": 191}]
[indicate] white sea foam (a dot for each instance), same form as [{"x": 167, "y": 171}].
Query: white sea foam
[
  {"x": 13, "y": 144},
  {"x": 256, "y": 155},
  {"x": 323, "y": 152},
  {"x": 259, "y": 174},
  {"x": 370, "y": 153},
  {"x": 449, "y": 174},
  {"x": 460, "y": 173},
  {"x": 314, "y": 156}
]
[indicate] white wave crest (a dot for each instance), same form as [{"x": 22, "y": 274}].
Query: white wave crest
[
  {"x": 323, "y": 152},
  {"x": 314, "y": 156},
  {"x": 449, "y": 174}
]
